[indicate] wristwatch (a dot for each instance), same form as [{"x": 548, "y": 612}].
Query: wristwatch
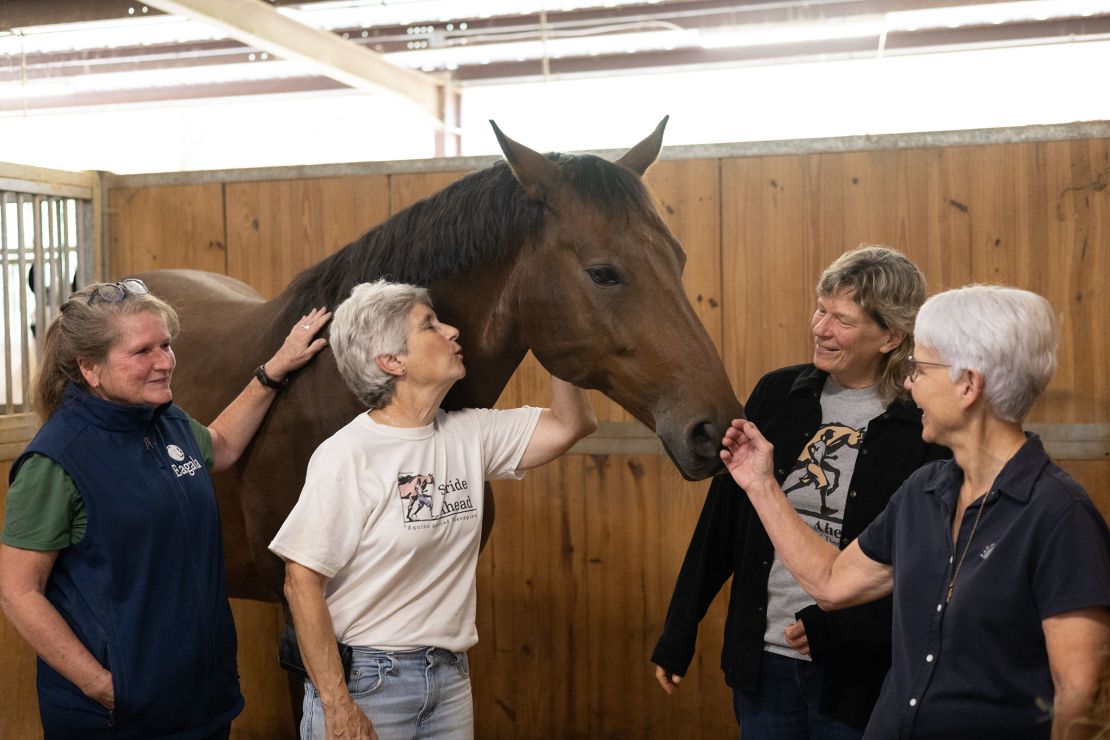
[{"x": 266, "y": 380}]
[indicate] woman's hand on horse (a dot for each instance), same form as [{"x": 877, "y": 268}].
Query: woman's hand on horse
[
  {"x": 748, "y": 455},
  {"x": 301, "y": 345}
]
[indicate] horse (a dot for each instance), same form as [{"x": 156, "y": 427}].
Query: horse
[{"x": 563, "y": 255}]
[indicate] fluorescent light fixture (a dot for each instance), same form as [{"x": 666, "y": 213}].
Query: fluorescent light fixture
[
  {"x": 152, "y": 79},
  {"x": 904, "y": 20},
  {"x": 149, "y": 31},
  {"x": 554, "y": 48},
  {"x": 759, "y": 34},
  {"x": 356, "y": 13},
  {"x": 992, "y": 14}
]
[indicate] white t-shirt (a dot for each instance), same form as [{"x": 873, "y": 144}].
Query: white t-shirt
[{"x": 393, "y": 517}]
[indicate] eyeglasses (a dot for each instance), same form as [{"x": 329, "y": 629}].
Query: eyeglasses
[
  {"x": 117, "y": 292},
  {"x": 915, "y": 366}
]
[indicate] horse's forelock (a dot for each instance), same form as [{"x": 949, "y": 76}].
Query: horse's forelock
[{"x": 616, "y": 191}]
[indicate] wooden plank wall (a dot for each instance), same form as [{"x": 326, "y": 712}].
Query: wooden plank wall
[{"x": 575, "y": 582}]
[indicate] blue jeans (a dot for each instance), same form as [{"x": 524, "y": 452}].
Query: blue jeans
[
  {"x": 423, "y": 693},
  {"x": 784, "y": 704}
]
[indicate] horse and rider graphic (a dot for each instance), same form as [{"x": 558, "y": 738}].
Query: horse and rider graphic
[
  {"x": 416, "y": 491},
  {"x": 818, "y": 461}
]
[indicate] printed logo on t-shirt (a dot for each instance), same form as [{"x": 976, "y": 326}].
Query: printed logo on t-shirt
[
  {"x": 423, "y": 501},
  {"x": 814, "y": 485},
  {"x": 175, "y": 452}
]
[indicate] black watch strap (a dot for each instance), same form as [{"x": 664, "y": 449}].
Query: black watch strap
[{"x": 266, "y": 380}]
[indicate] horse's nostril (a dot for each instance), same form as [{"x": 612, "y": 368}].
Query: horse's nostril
[{"x": 703, "y": 439}]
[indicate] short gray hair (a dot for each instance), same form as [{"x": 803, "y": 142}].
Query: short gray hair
[
  {"x": 373, "y": 321},
  {"x": 1008, "y": 334},
  {"x": 887, "y": 285}
]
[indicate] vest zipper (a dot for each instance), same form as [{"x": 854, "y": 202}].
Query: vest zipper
[{"x": 179, "y": 494}]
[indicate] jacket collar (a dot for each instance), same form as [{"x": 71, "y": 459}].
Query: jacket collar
[
  {"x": 116, "y": 417},
  {"x": 810, "y": 381}
]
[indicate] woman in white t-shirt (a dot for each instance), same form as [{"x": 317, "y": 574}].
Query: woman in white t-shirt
[{"x": 382, "y": 545}]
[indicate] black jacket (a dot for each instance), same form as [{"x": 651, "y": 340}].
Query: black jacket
[{"x": 853, "y": 645}]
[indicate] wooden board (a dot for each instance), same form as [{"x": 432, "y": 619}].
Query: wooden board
[
  {"x": 166, "y": 227},
  {"x": 278, "y": 228}
]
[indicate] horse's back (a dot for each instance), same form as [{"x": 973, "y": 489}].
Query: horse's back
[{"x": 185, "y": 289}]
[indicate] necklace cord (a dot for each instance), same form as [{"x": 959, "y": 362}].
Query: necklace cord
[{"x": 970, "y": 537}]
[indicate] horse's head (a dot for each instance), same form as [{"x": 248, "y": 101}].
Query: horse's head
[{"x": 599, "y": 299}]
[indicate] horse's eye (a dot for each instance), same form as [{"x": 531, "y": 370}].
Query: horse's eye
[{"x": 604, "y": 275}]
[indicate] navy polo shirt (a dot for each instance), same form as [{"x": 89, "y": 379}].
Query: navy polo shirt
[{"x": 977, "y": 667}]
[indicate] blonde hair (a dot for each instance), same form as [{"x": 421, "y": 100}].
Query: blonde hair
[
  {"x": 86, "y": 329},
  {"x": 890, "y": 289}
]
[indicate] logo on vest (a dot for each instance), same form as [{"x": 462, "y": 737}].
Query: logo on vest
[{"x": 190, "y": 468}]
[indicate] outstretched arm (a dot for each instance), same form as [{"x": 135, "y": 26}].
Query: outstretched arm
[
  {"x": 235, "y": 426},
  {"x": 570, "y": 418},
  {"x": 834, "y": 578}
]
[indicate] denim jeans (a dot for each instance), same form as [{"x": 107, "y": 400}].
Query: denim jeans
[
  {"x": 784, "y": 705},
  {"x": 423, "y": 693}
]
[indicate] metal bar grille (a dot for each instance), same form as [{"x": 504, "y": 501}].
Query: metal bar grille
[{"x": 46, "y": 253}]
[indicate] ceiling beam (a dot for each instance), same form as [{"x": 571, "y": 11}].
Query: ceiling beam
[{"x": 256, "y": 23}]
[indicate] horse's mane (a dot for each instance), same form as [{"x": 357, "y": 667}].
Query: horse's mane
[{"x": 479, "y": 219}]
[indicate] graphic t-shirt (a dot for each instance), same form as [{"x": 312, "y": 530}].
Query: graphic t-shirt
[
  {"x": 818, "y": 488},
  {"x": 393, "y": 517}
]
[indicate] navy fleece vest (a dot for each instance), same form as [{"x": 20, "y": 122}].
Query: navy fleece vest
[{"x": 144, "y": 589}]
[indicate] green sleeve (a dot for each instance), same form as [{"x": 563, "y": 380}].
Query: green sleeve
[
  {"x": 204, "y": 440},
  {"x": 44, "y": 510}
]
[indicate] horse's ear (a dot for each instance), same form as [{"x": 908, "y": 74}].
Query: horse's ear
[
  {"x": 535, "y": 172},
  {"x": 640, "y": 157}
]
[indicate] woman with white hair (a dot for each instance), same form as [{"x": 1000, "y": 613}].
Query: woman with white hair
[
  {"x": 382, "y": 545},
  {"x": 998, "y": 561}
]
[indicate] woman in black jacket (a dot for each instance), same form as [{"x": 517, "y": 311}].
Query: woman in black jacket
[{"x": 845, "y": 437}]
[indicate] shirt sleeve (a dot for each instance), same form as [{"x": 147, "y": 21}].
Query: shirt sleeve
[
  {"x": 877, "y": 539},
  {"x": 1072, "y": 569},
  {"x": 505, "y": 437},
  {"x": 204, "y": 440},
  {"x": 326, "y": 526},
  {"x": 44, "y": 511}
]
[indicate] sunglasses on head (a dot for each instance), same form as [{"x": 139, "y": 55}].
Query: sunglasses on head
[{"x": 117, "y": 292}]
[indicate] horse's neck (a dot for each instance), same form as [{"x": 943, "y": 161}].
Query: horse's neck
[{"x": 480, "y": 305}]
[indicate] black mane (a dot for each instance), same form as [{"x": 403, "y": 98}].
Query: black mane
[{"x": 484, "y": 217}]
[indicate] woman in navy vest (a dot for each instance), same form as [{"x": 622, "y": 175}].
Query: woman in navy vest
[{"x": 111, "y": 562}]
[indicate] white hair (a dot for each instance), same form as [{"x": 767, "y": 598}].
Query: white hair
[
  {"x": 373, "y": 321},
  {"x": 1007, "y": 334}
]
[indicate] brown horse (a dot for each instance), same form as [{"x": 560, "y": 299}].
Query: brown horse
[{"x": 564, "y": 255}]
